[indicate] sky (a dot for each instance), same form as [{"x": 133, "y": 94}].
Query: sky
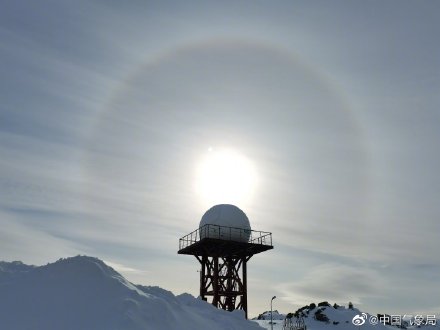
[{"x": 323, "y": 115}]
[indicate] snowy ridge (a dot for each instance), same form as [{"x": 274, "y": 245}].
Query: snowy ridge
[
  {"x": 84, "y": 293},
  {"x": 10, "y": 269}
]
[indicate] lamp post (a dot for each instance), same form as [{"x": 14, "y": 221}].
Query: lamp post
[{"x": 271, "y": 319}]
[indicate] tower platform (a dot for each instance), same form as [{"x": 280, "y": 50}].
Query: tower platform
[{"x": 215, "y": 241}]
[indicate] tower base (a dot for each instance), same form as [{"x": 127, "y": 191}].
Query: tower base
[{"x": 223, "y": 281}]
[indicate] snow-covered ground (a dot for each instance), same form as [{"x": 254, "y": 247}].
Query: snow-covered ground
[{"x": 84, "y": 293}]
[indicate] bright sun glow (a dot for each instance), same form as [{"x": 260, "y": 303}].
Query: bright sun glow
[{"x": 225, "y": 176}]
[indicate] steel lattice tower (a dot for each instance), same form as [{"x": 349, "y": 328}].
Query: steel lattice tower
[{"x": 223, "y": 253}]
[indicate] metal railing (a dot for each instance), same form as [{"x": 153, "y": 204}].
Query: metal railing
[{"x": 226, "y": 233}]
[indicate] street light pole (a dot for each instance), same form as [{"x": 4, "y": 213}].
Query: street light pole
[{"x": 271, "y": 318}]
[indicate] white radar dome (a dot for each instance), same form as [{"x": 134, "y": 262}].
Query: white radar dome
[{"x": 225, "y": 222}]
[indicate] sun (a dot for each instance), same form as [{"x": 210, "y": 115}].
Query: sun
[{"x": 225, "y": 176}]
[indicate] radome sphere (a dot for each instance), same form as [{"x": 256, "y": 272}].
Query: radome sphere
[{"x": 226, "y": 222}]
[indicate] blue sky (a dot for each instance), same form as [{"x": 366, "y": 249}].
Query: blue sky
[{"x": 108, "y": 109}]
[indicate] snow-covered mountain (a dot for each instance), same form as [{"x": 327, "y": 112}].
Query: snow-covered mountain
[
  {"x": 342, "y": 318},
  {"x": 266, "y": 316},
  {"x": 327, "y": 317},
  {"x": 84, "y": 293}
]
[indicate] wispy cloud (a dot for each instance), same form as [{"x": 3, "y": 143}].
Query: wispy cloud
[
  {"x": 333, "y": 283},
  {"x": 31, "y": 245},
  {"x": 102, "y": 124},
  {"x": 125, "y": 269}
]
